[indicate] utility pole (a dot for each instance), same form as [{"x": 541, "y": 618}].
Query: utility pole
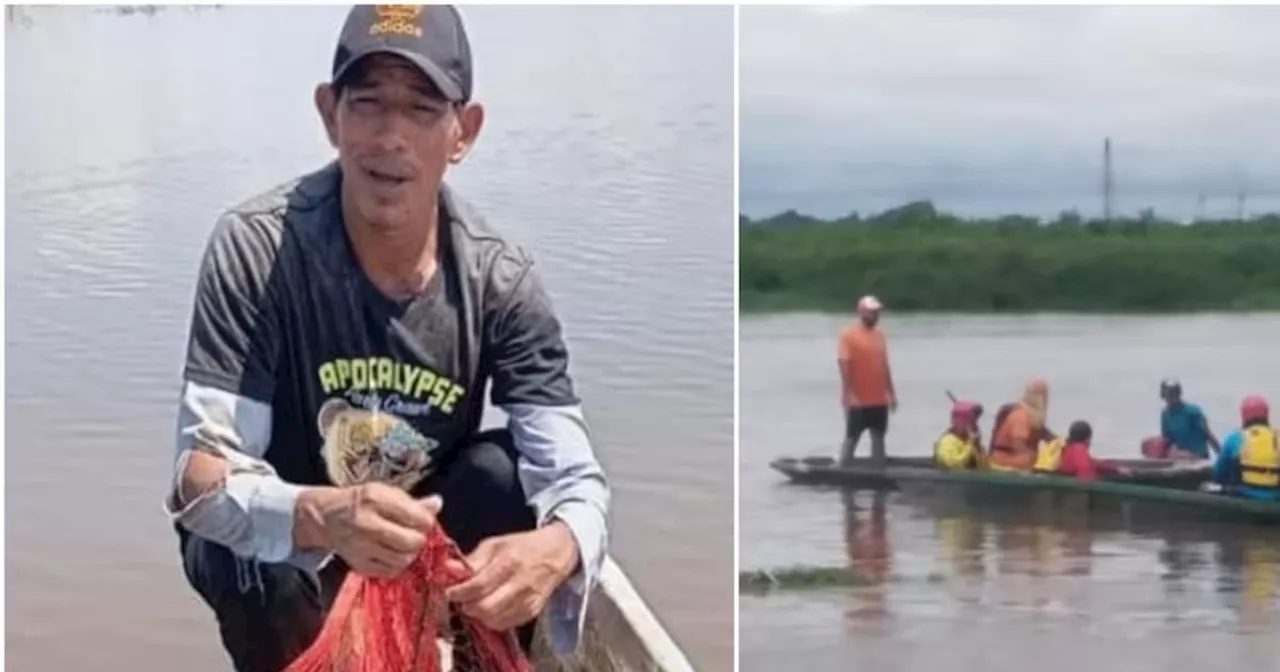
[
  {"x": 1241, "y": 192},
  {"x": 1108, "y": 181}
]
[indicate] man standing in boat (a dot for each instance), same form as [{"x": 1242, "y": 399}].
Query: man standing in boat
[
  {"x": 344, "y": 330},
  {"x": 1183, "y": 425},
  {"x": 867, "y": 391}
]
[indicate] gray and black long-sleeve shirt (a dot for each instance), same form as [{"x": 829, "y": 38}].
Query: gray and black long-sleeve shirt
[{"x": 299, "y": 371}]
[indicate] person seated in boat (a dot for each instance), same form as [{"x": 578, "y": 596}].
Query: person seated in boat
[
  {"x": 1019, "y": 429},
  {"x": 1157, "y": 448},
  {"x": 1183, "y": 426},
  {"x": 960, "y": 447},
  {"x": 977, "y": 428},
  {"x": 1070, "y": 456},
  {"x": 1249, "y": 463}
]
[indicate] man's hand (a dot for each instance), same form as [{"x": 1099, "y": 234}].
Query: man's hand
[
  {"x": 376, "y": 528},
  {"x": 893, "y": 403},
  {"x": 515, "y": 575}
]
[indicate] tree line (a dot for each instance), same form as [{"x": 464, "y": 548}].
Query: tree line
[{"x": 918, "y": 258}]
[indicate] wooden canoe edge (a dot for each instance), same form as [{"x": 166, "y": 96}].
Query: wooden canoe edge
[
  {"x": 637, "y": 628},
  {"x": 621, "y": 634}
]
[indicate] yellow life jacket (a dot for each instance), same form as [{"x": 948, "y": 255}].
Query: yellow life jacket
[
  {"x": 1049, "y": 455},
  {"x": 1260, "y": 458},
  {"x": 959, "y": 453}
]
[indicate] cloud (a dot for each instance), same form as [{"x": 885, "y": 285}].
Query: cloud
[{"x": 1003, "y": 108}]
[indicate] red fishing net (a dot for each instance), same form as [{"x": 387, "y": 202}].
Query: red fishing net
[{"x": 406, "y": 625}]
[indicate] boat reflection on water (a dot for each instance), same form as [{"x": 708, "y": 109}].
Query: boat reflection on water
[
  {"x": 866, "y": 535},
  {"x": 961, "y": 541},
  {"x": 1250, "y": 580},
  {"x": 1125, "y": 568}
]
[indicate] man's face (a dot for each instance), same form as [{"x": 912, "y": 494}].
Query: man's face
[
  {"x": 869, "y": 317},
  {"x": 395, "y": 135},
  {"x": 1172, "y": 398}
]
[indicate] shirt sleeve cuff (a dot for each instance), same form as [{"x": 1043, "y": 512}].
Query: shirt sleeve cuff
[
  {"x": 271, "y": 510},
  {"x": 270, "y": 503},
  {"x": 252, "y": 514},
  {"x": 568, "y": 605}
]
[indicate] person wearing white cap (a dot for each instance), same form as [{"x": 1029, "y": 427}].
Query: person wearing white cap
[{"x": 867, "y": 391}]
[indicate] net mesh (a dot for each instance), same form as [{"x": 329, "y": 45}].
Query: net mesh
[{"x": 406, "y": 625}]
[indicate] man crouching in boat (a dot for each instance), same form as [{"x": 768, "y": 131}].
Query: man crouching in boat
[
  {"x": 346, "y": 326},
  {"x": 1019, "y": 429},
  {"x": 1071, "y": 456},
  {"x": 960, "y": 447},
  {"x": 1249, "y": 464}
]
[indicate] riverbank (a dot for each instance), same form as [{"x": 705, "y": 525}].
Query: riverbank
[{"x": 919, "y": 259}]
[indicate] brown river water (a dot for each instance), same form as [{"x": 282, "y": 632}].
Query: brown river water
[
  {"x": 986, "y": 585},
  {"x": 126, "y": 135}
]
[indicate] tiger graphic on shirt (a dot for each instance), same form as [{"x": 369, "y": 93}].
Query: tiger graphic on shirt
[
  {"x": 361, "y": 446},
  {"x": 364, "y": 429}
]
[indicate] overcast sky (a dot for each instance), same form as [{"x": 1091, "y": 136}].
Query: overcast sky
[{"x": 1004, "y": 109}]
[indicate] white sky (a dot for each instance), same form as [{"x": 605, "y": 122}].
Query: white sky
[{"x": 1001, "y": 109}]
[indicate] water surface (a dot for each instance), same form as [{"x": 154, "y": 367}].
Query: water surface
[
  {"x": 126, "y": 135},
  {"x": 956, "y": 585}
]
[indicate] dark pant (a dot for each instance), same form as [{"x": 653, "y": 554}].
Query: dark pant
[
  {"x": 268, "y": 614},
  {"x": 858, "y": 419}
]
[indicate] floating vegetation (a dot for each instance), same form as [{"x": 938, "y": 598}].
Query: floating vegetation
[
  {"x": 127, "y": 10},
  {"x": 23, "y": 15},
  {"x": 800, "y": 578}
]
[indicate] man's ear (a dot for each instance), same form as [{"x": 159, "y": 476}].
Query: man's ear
[
  {"x": 327, "y": 105},
  {"x": 470, "y": 121}
]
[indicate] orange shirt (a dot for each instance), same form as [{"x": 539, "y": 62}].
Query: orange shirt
[
  {"x": 1017, "y": 433},
  {"x": 864, "y": 359}
]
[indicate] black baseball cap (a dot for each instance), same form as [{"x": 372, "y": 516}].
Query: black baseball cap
[
  {"x": 1080, "y": 431},
  {"x": 429, "y": 36}
]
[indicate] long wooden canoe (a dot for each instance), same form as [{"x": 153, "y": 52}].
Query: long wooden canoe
[
  {"x": 1187, "y": 517},
  {"x": 621, "y": 634},
  {"x": 1056, "y": 492},
  {"x": 864, "y": 473}
]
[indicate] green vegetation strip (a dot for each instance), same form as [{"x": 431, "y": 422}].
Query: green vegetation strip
[
  {"x": 799, "y": 578},
  {"x": 919, "y": 259}
]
